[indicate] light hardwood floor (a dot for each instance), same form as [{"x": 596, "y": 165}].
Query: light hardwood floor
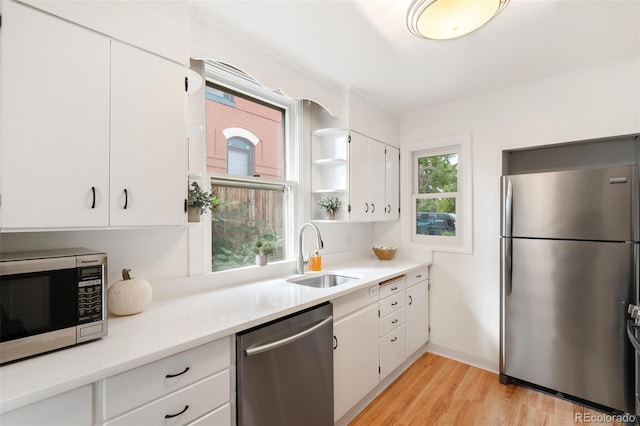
[{"x": 440, "y": 391}]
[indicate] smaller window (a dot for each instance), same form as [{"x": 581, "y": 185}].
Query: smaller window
[{"x": 438, "y": 213}]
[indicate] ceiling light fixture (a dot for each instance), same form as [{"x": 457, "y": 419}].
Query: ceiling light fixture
[{"x": 446, "y": 19}]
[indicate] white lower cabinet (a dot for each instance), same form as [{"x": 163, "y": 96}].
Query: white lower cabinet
[
  {"x": 181, "y": 407},
  {"x": 187, "y": 387},
  {"x": 417, "y": 316},
  {"x": 393, "y": 350},
  {"x": 391, "y": 326},
  {"x": 355, "y": 355},
  {"x": 73, "y": 408}
]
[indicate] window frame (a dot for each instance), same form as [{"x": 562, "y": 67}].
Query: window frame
[
  {"x": 462, "y": 242},
  {"x": 235, "y": 81}
]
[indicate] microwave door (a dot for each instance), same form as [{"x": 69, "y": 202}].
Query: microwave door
[{"x": 39, "y": 309}]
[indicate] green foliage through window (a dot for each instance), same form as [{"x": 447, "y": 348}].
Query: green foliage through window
[
  {"x": 438, "y": 174},
  {"x": 245, "y": 225}
]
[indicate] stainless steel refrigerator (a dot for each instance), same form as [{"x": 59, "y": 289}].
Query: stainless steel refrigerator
[{"x": 569, "y": 273}]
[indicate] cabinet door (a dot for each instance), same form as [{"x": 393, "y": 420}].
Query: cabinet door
[
  {"x": 376, "y": 182},
  {"x": 355, "y": 358},
  {"x": 55, "y": 122},
  {"x": 366, "y": 178},
  {"x": 392, "y": 183},
  {"x": 148, "y": 147},
  {"x": 417, "y": 316},
  {"x": 73, "y": 408},
  {"x": 393, "y": 350},
  {"x": 359, "y": 178}
]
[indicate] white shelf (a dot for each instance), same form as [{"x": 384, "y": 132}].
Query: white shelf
[
  {"x": 330, "y": 131},
  {"x": 329, "y": 162},
  {"x": 329, "y": 191}
]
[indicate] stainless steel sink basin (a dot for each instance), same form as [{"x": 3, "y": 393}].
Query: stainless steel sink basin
[{"x": 323, "y": 281}]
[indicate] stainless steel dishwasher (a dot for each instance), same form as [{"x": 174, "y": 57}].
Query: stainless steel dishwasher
[{"x": 285, "y": 371}]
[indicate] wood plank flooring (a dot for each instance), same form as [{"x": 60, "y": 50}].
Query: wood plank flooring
[{"x": 439, "y": 391}]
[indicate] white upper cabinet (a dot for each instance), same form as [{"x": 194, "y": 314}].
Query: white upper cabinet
[
  {"x": 366, "y": 178},
  {"x": 361, "y": 172},
  {"x": 55, "y": 122},
  {"x": 85, "y": 118},
  {"x": 392, "y": 181},
  {"x": 148, "y": 114}
]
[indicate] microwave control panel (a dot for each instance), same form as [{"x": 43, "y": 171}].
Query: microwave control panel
[{"x": 90, "y": 295}]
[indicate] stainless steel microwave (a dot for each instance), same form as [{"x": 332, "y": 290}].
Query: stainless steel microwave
[{"x": 51, "y": 299}]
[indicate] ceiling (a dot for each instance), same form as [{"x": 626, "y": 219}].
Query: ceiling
[{"x": 366, "y": 44}]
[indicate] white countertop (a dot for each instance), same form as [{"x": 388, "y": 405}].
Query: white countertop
[{"x": 198, "y": 313}]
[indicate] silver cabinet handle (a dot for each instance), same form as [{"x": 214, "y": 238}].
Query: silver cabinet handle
[
  {"x": 410, "y": 300},
  {"x": 287, "y": 340},
  {"x": 419, "y": 276},
  {"x": 394, "y": 321},
  {"x": 394, "y": 288},
  {"x": 394, "y": 303},
  {"x": 394, "y": 339}
]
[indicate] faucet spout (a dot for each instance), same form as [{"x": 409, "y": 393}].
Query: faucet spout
[{"x": 319, "y": 245}]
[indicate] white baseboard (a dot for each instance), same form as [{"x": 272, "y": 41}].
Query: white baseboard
[{"x": 463, "y": 357}]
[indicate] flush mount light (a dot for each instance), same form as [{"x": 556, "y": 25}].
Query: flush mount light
[{"x": 446, "y": 19}]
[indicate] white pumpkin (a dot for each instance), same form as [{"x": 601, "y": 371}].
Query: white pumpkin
[{"x": 129, "y": 296}]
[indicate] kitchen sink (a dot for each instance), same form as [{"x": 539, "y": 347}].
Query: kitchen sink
[{"x": 323, "y": 281}]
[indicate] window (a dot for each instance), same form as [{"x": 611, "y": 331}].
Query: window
[
  {"x": 239, "y": 157},
  {"x": 438, "y": 210},
  {"x": 246, "y": 154}
]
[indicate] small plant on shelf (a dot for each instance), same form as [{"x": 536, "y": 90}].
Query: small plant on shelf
[
  {"x": 331, "y": 205},
  {"x": 200, "y": 200}
]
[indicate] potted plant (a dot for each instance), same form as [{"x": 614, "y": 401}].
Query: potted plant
[
  {"x": 331, "y": 205},
  {"x": 264, "y": 245},
  {"x": 199, "y": 200}
]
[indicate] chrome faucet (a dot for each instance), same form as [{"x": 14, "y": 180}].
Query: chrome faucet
[{"x": 319, "y": 244}]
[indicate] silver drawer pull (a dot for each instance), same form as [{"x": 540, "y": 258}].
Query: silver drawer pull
[
  {"x": 394, "y": 321},
  {"x": 170, "y": 376},
  {"x": 394, "y": 339},
  {"x": 394, "y": 288},
  {"x": 170, "y": 416},
  {"x": 419, "y": 276},
  {"x": 394, "y": 303}
]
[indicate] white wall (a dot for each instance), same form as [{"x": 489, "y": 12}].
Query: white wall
[
  {"x": 465, "y": 288},
  {"x": 152, "y": 253}
]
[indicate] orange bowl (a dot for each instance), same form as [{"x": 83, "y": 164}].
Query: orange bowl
[{"x": 384, "y": 254}]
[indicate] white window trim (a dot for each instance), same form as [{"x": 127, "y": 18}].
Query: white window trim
[
  {"x": 463, "y": 242},
  {"x": 199, "y": 237}
]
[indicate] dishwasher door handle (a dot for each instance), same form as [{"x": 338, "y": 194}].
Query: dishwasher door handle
[{"x": 286, "y": 341}]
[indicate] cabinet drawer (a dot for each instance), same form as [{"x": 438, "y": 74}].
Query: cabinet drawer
[
  {"x": 391, "y": 304},
  {"x": 391, "y": 321},
  {"x": 182, "y": 407},
  {"x": 393, "y": 350},
  {"x": 219, "y": 417},
  {"x": 391, "y": 286},
  {"x": 417, "y": 275},
  {"x": 136, "y": 387}
]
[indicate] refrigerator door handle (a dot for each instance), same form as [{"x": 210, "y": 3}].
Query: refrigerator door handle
[
  {"x": 506, "y": 272},
  {"x": 507, "y": 207},
  {"x": 632, "y": 335}
]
